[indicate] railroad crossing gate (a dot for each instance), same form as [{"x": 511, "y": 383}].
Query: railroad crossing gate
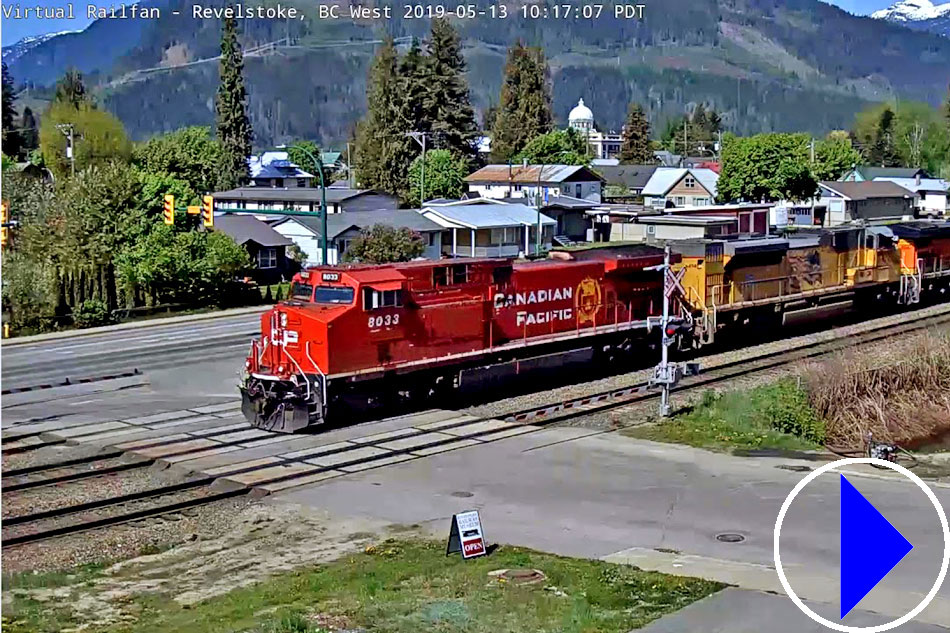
[{"x": 465, "y": 535}]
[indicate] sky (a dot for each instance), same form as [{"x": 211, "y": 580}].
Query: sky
[{"x": 14, "y": 30}]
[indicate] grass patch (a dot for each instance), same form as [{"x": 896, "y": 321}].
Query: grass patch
[
  {"x": 406, "y": 587},
  {"x": 775, "y": 416}
]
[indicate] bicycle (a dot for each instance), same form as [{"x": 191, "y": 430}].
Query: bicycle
[{"x": 888, "y": 452}]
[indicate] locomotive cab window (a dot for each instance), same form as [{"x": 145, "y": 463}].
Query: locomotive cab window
[
  {"x": 373, "y": 299},
  {"x": 449, "y": 275},
  {"x": 334, "y": 294},
  {"x": 301, "y": 291}
]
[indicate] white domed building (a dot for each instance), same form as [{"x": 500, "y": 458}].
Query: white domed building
[{"x": 603, "y": 146}]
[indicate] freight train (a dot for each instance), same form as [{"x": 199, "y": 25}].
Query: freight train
[{"x": 367, "y": 335}]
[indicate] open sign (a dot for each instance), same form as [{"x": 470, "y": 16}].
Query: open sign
[{"x": 465, "y": 535}]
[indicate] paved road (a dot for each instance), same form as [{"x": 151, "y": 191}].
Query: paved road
[
  {"x": 145, "y": 349},
  {"x": 656, "y": 506}
]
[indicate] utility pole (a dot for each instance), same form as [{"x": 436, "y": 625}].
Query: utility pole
[
  {"x": 318, "y": 161},
  {"x": 420, "y": 137},
  {"x": 68, "y": 132},
  {"x": 349, "y": 167}
]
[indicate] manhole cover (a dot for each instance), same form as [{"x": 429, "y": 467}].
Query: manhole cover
[
  {"x": 519, "y": 576},
  {"x": 795, "y": 468},
  {"x": 730, "y": 537},
  {"x": 464, "y": 494}
]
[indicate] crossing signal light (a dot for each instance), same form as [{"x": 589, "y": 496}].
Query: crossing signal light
[
  {"x": 168, "y": 213},
  {"x": 207, "y": 211}
]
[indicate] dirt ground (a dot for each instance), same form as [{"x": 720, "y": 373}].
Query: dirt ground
[{"x": 264, "y": 539}]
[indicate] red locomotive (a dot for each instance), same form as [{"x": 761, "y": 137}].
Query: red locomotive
[{"x": 354, "y": 335}]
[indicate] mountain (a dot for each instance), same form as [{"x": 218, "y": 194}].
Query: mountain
[
  {"x": 14, "y": 52},
  {"x": 765, "y": 65},
  {"x": 920, "y": 15}
]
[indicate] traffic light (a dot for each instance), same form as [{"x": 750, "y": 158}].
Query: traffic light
[
  {"x": 168, "y": 213},
  {"x": 4, "y": 218},
  {"x": 207, "y": 210}
]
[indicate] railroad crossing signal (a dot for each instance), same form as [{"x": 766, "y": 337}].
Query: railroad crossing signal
[
  {"x": 207, "y": 211},
  {"x": 672, "y": 283},
  {"x": 168, "y": 213}
]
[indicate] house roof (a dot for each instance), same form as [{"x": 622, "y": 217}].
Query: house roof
[
  {"x": 911, "y": 184},
  {"x": 630, "y": 176},
  {"x": 290, "y": 194},
  {"x": 867, "y": 189},
  {"x": 869, "y": 172},
  {"x": 665, "y": 178},
  {"x": 559, "y": 202},
  {"x": 330, "y": 158},
  {"x": 482, "y": 216},
  {"x": 531, "y": 174},
  {"x": 246, "y": 228},
  {"x": 338, "y": 223},
  {"x": 275, "y": 165}
]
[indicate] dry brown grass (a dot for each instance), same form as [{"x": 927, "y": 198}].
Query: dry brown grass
[{"x": 900, "y": 392}]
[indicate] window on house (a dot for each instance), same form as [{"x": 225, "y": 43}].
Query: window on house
[
  {"x": 374, "y": 299},
  {"x": 701, "y": 202},
  {"x": 680, "y": 201},
  {"x": 301, "y": 182},
  {"x": 432, "y": 238},
  {"x": 505, "y": 236},
  {"x": 690, "y": 182},
  {"x": 267, "y": 258}
]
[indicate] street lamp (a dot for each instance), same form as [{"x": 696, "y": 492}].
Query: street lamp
[{"x": 323, "y": 200}]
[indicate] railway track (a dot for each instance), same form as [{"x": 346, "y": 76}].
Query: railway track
[{"x": 411, "y": 442}]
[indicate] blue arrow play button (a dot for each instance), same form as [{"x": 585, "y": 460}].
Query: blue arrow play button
[{"x": 870, "y": 546}]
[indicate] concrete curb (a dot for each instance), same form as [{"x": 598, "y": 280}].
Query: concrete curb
[{"x": 137, "y": 325}]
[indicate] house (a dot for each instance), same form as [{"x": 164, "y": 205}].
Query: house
[
  {"x": 332, "y": 161},
  {"x": 931, "y": 194},
  {"x": 491, "y": 230},
  {"x": 569, "y": 213},
  {"x": 631, "y": 179},
  {"x": 274, "y": 169},
  {"x": 274, "y": 200},
  {"x": 870, "y": 201},
  {"x": 680, "y": 187},
  {"x": 667, "y": 158},
  {"x": 343, "y": 228},
  {"x": 530, "y": 181},
  {"x": 746, "y": 220},
  {"x": 867, "y": 172},
  {"x": 267, "y": 247},
  {"x": 603, "y": 145},
  {"x": 661, "y": 227}
]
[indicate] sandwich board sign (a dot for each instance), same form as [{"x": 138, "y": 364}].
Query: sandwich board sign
[{"x": 466, "y": 536}]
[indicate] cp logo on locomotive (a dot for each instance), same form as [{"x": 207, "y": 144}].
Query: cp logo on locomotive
[{"x": 588, "y": 299}]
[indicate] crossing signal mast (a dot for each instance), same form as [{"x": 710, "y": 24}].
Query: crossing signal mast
[{"x": 666, "y": 375}]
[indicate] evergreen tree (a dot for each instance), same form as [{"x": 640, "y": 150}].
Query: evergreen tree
[
  {"x": 414, "y": 116},
  {"x": 29, "y": 131},
  {"x": 72, "y": 90},
  {"x": 524, "y": 110},
  {"x": 636, "y": 147},
  {"x": 234, "y": 127},
  {"x": 447, "y": 101},
  {"x": 883, "y": 151},
  {"x": 382, "y": 125},
  {"x": 946, "y": 108},
  {"x": 11, "y": 136}
]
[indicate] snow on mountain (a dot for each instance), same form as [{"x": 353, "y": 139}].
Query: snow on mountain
[
  {"x": 14, "y": 51},
  {"x": 920, "y": 15}
]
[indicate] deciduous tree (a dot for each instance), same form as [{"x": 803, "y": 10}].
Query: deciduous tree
[
  {"x": 98, "y": 136},
  {"x": 560, "y": 147},
  {"x": 381, "y": 244},
  {"x": 233, "y": 125},
  {"x": 188, "y": 154},
  {"x": 444, "y": 176},
  {"x": 765, "y": 167}
]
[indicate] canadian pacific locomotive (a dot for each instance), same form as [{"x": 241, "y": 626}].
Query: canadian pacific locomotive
[{"x": 354, "y": 335}]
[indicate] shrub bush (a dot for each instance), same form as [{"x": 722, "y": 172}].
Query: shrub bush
[
  {"x": 92, "y": 313},
  {"x": 786, "y": 407}
]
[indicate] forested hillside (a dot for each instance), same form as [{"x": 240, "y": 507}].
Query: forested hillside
[{"x": 764, "y": 64}]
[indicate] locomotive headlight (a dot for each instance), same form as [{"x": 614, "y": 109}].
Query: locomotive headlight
[
  {"x": 280, "y": 369},
  {"x": 283, "y": 319}
]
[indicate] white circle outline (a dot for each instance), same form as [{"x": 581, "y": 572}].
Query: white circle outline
[{"x": 880, "y": 627}]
